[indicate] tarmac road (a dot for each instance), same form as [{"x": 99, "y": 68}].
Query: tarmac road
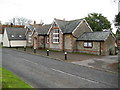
[{"x": 42, "y": 72}]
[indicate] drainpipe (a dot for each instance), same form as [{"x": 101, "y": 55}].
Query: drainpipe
[
  {"x": 44, "y": 42},
  {"x": 100, "y": 48}
]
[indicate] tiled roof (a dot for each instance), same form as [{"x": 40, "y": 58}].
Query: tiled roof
[
  {"x": 68, "y": 26},
  {"x": 16, "y": 32},
  {"x": 43, "y": 30},
  {"x": 94, "y": 36}
]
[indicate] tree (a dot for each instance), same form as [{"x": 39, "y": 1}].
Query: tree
[
  {"x": 98, "y": 22},
  {"x": 20, "y": 21},
  {"x": 117, "y": 19}
]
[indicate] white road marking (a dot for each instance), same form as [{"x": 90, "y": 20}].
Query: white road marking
[
  {"x": 74, "y": 76},
  {"x": 65, "y": 73},
  {"x": 30, "y": 61}
]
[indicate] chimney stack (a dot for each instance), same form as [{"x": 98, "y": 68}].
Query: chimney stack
[
  {"x": 34, "y": 22},
  {"x": 11, "y": 24}
]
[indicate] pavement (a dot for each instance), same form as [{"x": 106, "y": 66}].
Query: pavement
[
  {"x": 106, "y": 63},
  {"x": 43, "y": 72}
]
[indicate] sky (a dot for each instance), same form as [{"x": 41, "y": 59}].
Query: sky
[{"x": 47, "y": 10}]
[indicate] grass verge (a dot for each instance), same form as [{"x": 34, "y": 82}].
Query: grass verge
[{"x": 9, "y": 80}]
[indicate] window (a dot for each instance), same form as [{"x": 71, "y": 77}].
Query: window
[
  {"x": 12, "y": 35},
  {"x": 55, "y": 25},
  {"x": 29, "y": 41},
  {"x": 85, "y": 44},
  {"x": 56, "y": 31},
  {"x": 29, "y": 35},
  {"x": 30, "y": 38},
  {"x": 20, "y": 35},
  {"x": 48, "y": 39},
  {"x": 88, "y": 44},
  {"x": 56, "y": 36}
]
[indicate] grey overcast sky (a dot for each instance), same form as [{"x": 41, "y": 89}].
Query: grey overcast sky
[{"x": 47, "y": 10}]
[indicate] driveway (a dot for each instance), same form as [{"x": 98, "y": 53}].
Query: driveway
[
  {"x": 43, "y": 72},
  {"x": 106, "y": 63}
]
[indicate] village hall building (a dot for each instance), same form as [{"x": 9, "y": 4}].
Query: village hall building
[{"x": 70, "y": 36}]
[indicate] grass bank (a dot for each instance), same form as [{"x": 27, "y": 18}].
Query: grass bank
[{"x": 9, "y": 80}]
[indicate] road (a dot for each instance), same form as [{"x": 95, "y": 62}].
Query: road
[{"x": 42, "y": 72}]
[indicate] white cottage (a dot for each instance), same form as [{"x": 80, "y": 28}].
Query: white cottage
[
  {"x": 14, "y": 37},
  {"x": 1, "y": 33}
]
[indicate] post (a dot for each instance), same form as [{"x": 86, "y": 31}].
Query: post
[
  {"x": 34, "y": 50},
  {"x": 47, "y": 52},
  {"x": 65, "y": 55},
  {"x": 24, "y": 48}
]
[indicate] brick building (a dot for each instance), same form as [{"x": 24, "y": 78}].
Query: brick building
[
  {"x": 100, "y": 43},
  {"x": 63, "y": 34}
]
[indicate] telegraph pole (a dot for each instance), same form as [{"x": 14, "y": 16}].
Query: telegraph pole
[{"x": 118, "y": 1}]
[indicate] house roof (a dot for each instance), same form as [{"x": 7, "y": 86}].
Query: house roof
[
  {"x": 30, "y": 27},
  {"x": 68, "y": 26},
  {"x": 94, "y": 36},
  {"x": 16, "y": 32},
  {"x": 43, "y": 30}
]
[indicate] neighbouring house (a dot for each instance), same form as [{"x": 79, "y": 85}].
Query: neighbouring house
[
  {"x": 63, "y": 34},
  {"x": 100, "y": 43},
  {"x": 40, "y": 37},
  {"x": 1, "y": 34},
  {"x": 30, "y": 28},
  {"x": 28, "y": 35},
  {"x": 14, "y": 37}
]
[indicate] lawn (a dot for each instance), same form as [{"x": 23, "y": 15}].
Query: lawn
[{"x": 9, "y": 80}]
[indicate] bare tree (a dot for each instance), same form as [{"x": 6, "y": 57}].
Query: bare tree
[{"x": 20, "y": 21}]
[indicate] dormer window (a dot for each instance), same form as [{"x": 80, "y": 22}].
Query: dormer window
[
  {"x": 20, "y": 36},
  {"x": 12, "y": 35}
]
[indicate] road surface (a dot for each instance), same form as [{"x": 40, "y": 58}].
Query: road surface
[{"x": 42, "y": 72}]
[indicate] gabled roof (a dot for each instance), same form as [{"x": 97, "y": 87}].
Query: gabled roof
[
  {"x": 94, "y": 36},
  {"x": 16, "y": 32},
  {"x": 68, "y": 26},
  {"x": 43, "y": 30},
  {"x": 29, "y": 27}
]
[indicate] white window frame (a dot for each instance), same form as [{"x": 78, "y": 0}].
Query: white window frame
[
  {"x": 88, "y": 44},
  {"x": 56, "y": 39}
]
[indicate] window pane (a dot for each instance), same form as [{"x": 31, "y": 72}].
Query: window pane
[
  {"x": 55, "y": 40},
  {"x": 90, "y": 44},
  {"x": 20, "y": 35},
  {"x": 85, "y": 44},
  {"x": 55, "y": 35},
  {"x": 56, "y": 31},
  {"x": 12, "y": 35}
]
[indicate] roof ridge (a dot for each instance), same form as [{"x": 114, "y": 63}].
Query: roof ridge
[
  {"x": 96, "y": 31},
  {"x": 68, "y": 20}
]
